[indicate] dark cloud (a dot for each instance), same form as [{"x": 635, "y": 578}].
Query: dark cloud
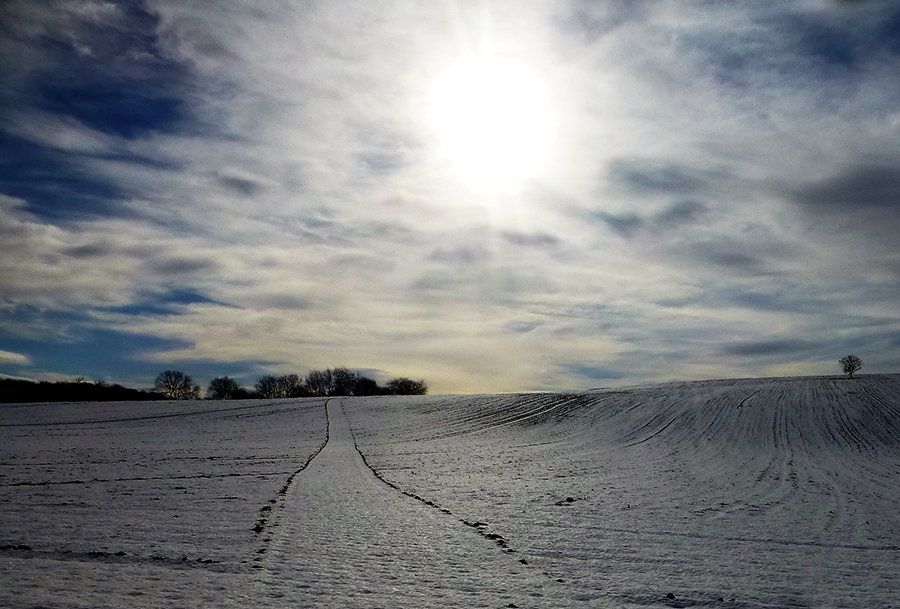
[
  {"x": 382, "y": 162},
  {"x": 644, "y": 176},
  {"x": 861, "y": 203},
  {"x": 463, "y": 255},
  {"x": 522, "y": 327},
  {"x": 624, "y": 224},
  {"x": 771, "y": 302},
  {"x": 489, "y": 285},
  {"x": 770, "y": 347},
  {"x": 164, "y": 304},
  {"x": 727, "y": 255},
  {"x": 534, "y": 240},
  {"x": 593, "y": 373},
  {"x": 241, "y": 186},
  {"x": 826, "y": 53},
  {"x": 681, "y": 212},
  {"x": 183, "y": 266},
  {"x": 676, "y": 215},
  {"x": 817, "y": 39},
  {"x": 676, "y": 303},
  {"x": 287, "y": 302},
  {"x": 859, "y": 188},
  {"x": 91, "y": 250},
  {"x": 788, "y": 298},
  {"x": 755, "y": 250}
]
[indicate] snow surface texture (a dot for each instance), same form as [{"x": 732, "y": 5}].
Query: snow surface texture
[{"x": 771, "y": 492}]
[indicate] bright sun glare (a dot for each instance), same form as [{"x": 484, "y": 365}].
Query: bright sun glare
[{"x": 494, "y": 122}]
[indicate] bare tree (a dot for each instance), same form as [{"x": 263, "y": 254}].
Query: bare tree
[
  {"x": 292, "y": 386},
  {"x": 367, "y": 386},
  {"x": 285, "y": 386},
  {"x": 850, "y": 364},
  {"x": 343, "y": 381},
  {"x": 318, "y": 382},
  {"x": 405, "y": 386},
  {"x": 224, "y": 388},
  {"x": 268, "y": 387},
  {"x": 176, "y": 385}
]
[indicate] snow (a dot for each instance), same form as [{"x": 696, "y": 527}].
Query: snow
[{"x": 774, "y": 492}]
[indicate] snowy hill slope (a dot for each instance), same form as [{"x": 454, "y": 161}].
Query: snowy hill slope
[
  {"x": 775, "y": 492},
  {"x": 148, "y": 504}
]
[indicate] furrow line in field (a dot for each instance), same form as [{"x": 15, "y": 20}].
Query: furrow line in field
[
  {"x": 168, "y": 415},
  {"x": 752, "y": 540},
  {"x": 538, "y": 411},
  {"x": 109, "y": 556},
  {"x": 652, "y": 435},
  {"x": 143, "y": 478}
]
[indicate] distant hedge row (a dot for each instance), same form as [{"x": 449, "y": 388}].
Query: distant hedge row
[
  {"x": 15, "y": 390},
  {"x": 341, "y": 381}
]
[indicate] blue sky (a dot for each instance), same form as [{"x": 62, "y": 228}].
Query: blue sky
[{"x": 492, "y": 196}]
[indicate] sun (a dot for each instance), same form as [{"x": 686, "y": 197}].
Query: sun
[{"x": 493, "y": 121}]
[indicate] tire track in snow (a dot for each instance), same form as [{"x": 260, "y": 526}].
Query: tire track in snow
[
  {"x": 278, "y": 501},
  {"x": 345, "y": 537},
  {"x": 478, "y": 526}
]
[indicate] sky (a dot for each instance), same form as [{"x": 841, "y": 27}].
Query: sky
[{"x": 503, "y": 195}]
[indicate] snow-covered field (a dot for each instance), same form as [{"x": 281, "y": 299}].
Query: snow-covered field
[{"x": 770, "y": 492}]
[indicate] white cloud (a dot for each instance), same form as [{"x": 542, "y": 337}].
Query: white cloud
[
  {"x": 65, "y": 134},
  {"x": 8, "y": 357},
  {"x": 312, "y": 203}
]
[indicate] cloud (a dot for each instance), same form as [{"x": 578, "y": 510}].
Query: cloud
[
  {"x": 463, "y": 255},
  {"x": 681, "y": 212},
  {"x": 858, "y": 189},
  {"x": 534, "y": 240},
  {"x": 624, "y": 224},
  {"x": 592, "y": 20},
  {"x": 593, "y": 373},
  {"x": 178, "y": 267},
  {"x": 641, "y": 177},
  {"x": 263, "y": 185},
  {"x": 770, "y": 347},
  {"x": 7, "y": 357},
  {"x": 56, "y": 132},
  {"x": 243, "y": 186}
]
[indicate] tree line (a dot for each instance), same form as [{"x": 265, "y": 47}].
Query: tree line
[
  {"x": 80, "y": 390},
  {"x": 340, "y": 381}
]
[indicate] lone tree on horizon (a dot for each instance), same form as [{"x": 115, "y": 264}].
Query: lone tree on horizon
[
  {"x": 850, "y": 364},
  {"x": 176, "y": 385}
]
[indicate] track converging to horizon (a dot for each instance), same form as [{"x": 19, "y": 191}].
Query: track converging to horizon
[{"x": 343, "y": 536}]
